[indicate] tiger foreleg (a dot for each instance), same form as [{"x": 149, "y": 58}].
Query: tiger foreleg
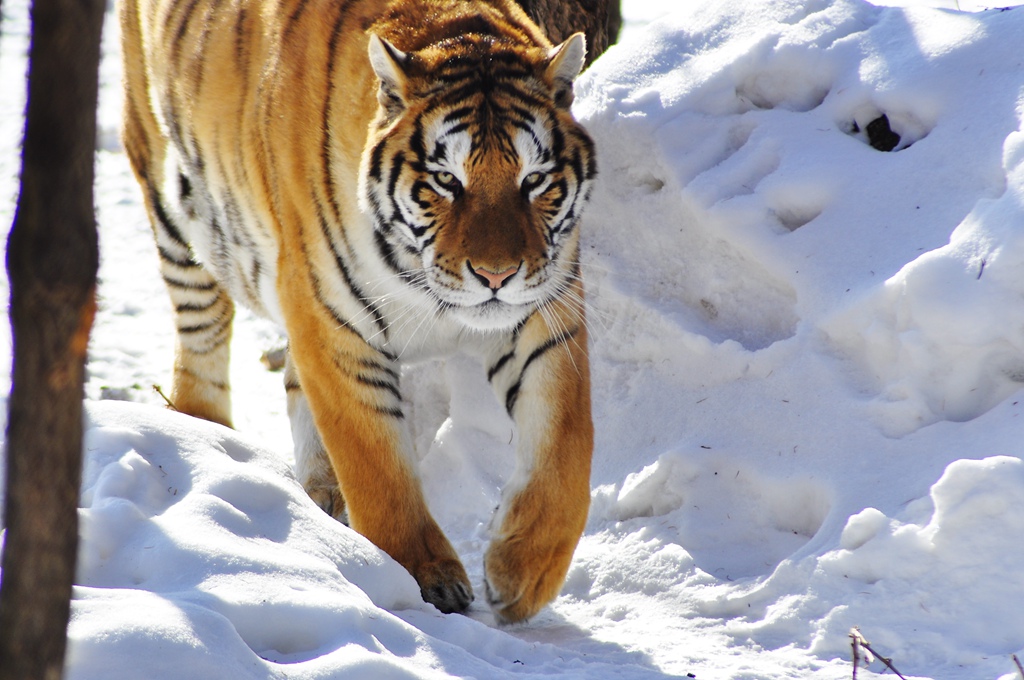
[
  {"x": 352, "y": 392},
  {"x": 546, "y": 388},
  {"x": 312, "y": 466}
]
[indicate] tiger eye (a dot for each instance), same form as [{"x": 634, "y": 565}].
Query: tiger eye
[
  {"x": 533, "y": 180},
  {"x": 447, "y": 180}
]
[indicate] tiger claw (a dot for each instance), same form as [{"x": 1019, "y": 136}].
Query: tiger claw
[
  {"x": 506, "y": 613},
  {"x": 449, "y": 598},
  {"x": 496, "y": 603},
  {"x": 446, "y": 586},
  {"x": 521, "y": 578}
]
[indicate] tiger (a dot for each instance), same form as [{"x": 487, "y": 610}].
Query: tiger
[{"x": 390, "y": 181}]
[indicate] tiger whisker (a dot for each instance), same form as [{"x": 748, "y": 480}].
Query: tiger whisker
[
  {"x": 558, "y": 326},
  {"x": 391, "y": 297},
  {"x": 428, "y": 316},
  {"x": 400, "y": 276},
  {"x": 579, "y": 309},
  {"x": 565, "y": 288},
  {"x": 404, "y": 313}
]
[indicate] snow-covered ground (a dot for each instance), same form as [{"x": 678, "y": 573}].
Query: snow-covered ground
[{"x": 808, "y": 362}]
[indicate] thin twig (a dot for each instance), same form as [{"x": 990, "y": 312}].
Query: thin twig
[
  {"x": 887, "y": 662},
  {"x": 860, "y": 641},
  {"x": 170, "y": 404},
  {"x": 854, "y": 637},
  {"x": 1019, "y": 667}
]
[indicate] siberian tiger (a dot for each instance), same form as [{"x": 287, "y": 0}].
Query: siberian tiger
[{"x": 390, "y": 180}]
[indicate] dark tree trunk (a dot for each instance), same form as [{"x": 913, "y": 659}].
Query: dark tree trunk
[
  {"x": 51, "y": 263},
  {"x": 600, "y": 20}
]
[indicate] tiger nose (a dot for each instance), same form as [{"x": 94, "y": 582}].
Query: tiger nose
[{"x": 493, "y": 280}]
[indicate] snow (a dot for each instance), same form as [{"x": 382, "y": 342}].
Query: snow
[{"x": 808, "y": 364}]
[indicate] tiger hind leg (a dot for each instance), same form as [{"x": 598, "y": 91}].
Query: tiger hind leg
[
  {"x": 203, "y": 314},
  {"x": 312, "y": 466}
]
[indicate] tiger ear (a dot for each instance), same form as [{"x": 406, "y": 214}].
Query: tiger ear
[
  {"x": 565, "y": 62},
  {"x": 389, "y": 63}
]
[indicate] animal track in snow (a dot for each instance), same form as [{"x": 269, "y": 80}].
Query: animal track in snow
[
  {"x": 792, "y": 217},
  {"x": 645, "y": 182},
  {"x": 718, "y": 162},
  {"x": 777, "y": 75},
  {"x": 784, "y": 88},
  {"x": 737, "y": 174},
  {"x": 248, "y": 506},
  {"x": 716, "y": 290}
]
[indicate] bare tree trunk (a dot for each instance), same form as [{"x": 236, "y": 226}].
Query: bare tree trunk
[
  {"x": 51, "y": 263},
  {"x": 600, "y": 20}
]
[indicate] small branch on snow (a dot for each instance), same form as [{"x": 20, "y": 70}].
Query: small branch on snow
[
  {"x": 170, "y": 404},
  {"x": 858, "y": 643},
  {"x": 1019, "y": 667}
]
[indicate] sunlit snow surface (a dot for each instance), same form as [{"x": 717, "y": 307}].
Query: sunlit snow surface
[{"x": 807, "y": 360}]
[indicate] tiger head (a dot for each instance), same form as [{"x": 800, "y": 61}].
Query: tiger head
[{"x": 475, "y": 174}]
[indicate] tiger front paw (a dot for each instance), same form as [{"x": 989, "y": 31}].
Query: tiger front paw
[
  {"x": 521, "y": 576},
  {"x": 444, "y": 584},
  {"x": 330, "y": 500}
]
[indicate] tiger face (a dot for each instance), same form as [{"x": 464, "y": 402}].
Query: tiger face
[{"x": 477, "y": 204}]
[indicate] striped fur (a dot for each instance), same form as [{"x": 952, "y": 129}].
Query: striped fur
[{"x": 390, "y": 180}]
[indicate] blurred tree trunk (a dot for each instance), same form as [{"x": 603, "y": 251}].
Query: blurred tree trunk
[
  {"x": 51, "y": 263},
  {"x": 600, "y": 20}
]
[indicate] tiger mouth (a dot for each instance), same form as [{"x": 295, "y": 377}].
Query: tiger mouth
[
  {"x": 496, "y": 305},
  {"x": 492, "y": 314}
]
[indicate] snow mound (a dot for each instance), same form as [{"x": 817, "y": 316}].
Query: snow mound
[
  {"x": 196, "y": 538},
  {"x": 931, "y": 583},
  {"x": 944, "y": 337},
  {"x": 202, "y": 557},
  {"x": 719, "y": 503}
]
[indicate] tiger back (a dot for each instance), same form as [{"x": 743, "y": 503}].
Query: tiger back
[{"x": 389, "y": 180}]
